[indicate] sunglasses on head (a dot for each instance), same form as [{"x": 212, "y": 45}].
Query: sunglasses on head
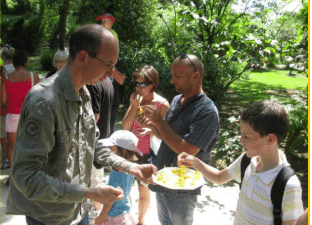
[
  {"x": 141, "y": 84},
  {"x": 183, "y": 56}
]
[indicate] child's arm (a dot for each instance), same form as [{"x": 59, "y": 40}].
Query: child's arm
[
  {"x": 101, "y": 218},
  {"x": 303, "y": 219},
  {"x": 210, "y": 173}
]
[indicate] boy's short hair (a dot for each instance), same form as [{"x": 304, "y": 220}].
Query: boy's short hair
[{"x": 267, "y": 117}]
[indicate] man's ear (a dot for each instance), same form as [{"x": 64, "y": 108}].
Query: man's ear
[
  {"x": 272, "y": 139},
  {"x": 83, "y": 56},
  {"x": 195, "y": 76}
]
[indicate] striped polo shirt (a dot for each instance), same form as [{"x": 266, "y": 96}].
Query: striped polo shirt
[{"x": 254, "y": 204}]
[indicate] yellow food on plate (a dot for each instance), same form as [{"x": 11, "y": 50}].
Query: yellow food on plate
[{"x": 178, "y": 177}]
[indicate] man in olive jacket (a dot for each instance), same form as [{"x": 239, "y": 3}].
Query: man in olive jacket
[{"x": 56, "y": 140}]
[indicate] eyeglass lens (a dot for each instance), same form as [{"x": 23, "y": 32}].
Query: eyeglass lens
[{"x": 142, "y": 84}]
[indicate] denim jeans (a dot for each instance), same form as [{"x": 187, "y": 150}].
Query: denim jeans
[
  {"x": 31, "y": 221},
  {"x": 175, "y": 210}
]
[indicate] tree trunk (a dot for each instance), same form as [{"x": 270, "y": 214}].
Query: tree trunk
[{"x": 58, "y": 37}]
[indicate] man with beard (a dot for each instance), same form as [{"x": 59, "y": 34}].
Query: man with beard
[{"x": 191, "y": 125}]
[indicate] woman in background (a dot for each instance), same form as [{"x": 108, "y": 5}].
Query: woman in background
[
  {"x": 146, "y": 81},
  {"x": 6, "y": 55},
  {"x": 59, "y": 61},
  {"x": 14, "y": 91}
]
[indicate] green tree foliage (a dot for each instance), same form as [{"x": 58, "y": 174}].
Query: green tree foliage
[
  {"x": 134, "y": 19},
  {"x": 212, "y": 30},
  {"x": 20, "y": 24}
]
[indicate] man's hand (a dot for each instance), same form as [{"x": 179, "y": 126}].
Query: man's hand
[
  {"x": 186, "y": 160},
  {"x": 152, "y": 115},
  {"x": 104, "y": 194},
  {"x": 143, "y": 172},
  {"x": 144, "y": 131}
]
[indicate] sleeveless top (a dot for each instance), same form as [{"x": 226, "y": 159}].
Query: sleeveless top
[
  {"x": 144, "y": 143},
  {"x": 16, "y": 93},
  {"x": 124, "y": 181}
]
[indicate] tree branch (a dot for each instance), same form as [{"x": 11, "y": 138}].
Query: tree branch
[{"x": 283, "y": 24}]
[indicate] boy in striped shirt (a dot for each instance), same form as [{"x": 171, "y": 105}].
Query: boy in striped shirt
[{"x": 263, "y": 127}]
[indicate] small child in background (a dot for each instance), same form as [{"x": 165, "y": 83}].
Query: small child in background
[
  {"x": 263, "y": 127},
  {"x": 123, "y": 143}
]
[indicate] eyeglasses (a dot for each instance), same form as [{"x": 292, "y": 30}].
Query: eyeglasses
[
  {"x": 183, "y": 56},
  {"x": 141, "y": 84},
  {"x": 109, "y": 66}
]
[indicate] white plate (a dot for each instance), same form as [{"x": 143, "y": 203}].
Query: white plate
[{"x": 170, "y": 182}]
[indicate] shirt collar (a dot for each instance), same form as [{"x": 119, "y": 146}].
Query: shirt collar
[
  {"x": 69, "y": 88},
  {"x": 269, "y": 175},
  {"x": 191, "y": 99}
]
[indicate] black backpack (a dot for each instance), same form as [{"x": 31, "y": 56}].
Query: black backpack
[{"x": 278, "y": 187}]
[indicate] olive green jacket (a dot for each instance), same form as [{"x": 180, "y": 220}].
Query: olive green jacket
[{"x": 56, "y": 144}]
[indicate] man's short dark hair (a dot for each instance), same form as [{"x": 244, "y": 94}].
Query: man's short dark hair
[
  {"x": 88, "y": 38},
  {"x": 267, "y": 117},
  {"x": 19, "y": 58}
]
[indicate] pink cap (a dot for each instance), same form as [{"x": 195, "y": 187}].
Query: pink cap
[{"x": 107, "y": 15}]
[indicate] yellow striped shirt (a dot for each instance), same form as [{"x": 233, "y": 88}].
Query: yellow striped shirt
[{"x": 254, "y": 204}]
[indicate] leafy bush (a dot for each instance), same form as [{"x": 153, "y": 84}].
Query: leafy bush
[
  {"x": 227, "y": 148},
  {"x": 133, "y": 58},
  {"x": 221, "y": 72},
  {"x": 298, "y": 116},
  {"x": 46, "y": 59}
]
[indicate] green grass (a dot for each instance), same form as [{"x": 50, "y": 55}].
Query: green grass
[
  {"x": 264, "y": 85},
  {"x": 280, "y": 80}
]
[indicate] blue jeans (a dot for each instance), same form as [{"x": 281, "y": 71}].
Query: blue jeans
[
  {"x": 32, "y": 221},
  {"x": 175, "y": 210}
]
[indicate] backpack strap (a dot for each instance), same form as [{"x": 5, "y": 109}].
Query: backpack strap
[
  {"x": 277, "y": 192},
  {"x": 244, "y": 164}
]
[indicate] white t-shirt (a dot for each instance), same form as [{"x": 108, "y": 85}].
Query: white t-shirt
[{"x": 254, "y": 204}]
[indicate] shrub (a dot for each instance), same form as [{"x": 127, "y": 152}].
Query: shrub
[
  {"x": 298, "y": 116},
  {"x": 46, "y": 59},
  {"x": 227, "y": 148},
  {"x": 221, "y": 72},
  {"x": 133, "y": 58}
]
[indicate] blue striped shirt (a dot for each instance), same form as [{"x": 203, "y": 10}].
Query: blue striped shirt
[{"x": 198, "y": 123}]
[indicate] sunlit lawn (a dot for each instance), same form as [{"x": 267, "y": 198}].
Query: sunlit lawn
[
  {"x": 264, "y": 85},
  {"x": 280, "y": 79}
]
